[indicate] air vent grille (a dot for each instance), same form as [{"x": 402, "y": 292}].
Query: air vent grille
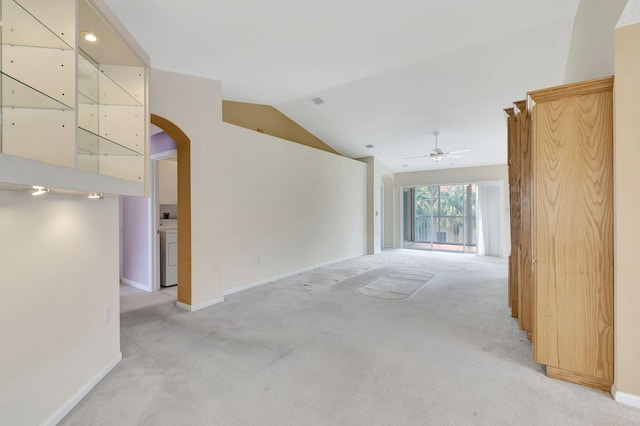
[
  {"x": 317, "y": 101},
  {"x": 369, "y": 146}
]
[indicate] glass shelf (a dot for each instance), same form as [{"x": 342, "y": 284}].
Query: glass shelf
[
  {"x": 88, "y": 76},
  {"x": 90, "y": 143},
  {"x": 16, "y": 94},
  {"x": 96, "y": 87},
  {"x": 21, "y": 28}
]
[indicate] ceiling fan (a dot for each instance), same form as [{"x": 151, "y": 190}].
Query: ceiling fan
[{"x": 437, "y": 154}]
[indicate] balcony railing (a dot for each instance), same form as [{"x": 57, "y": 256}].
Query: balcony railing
[{"x": 444, "y": 230}]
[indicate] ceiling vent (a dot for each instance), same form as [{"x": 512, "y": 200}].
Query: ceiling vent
[
  {"x": 369, "y": 146},
  {"x": 317, "y": 101}
]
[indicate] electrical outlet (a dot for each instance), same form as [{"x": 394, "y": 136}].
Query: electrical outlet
[{"x": 107, "y": 313}]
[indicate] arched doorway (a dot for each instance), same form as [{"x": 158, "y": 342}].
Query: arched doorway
[{"x": 183, "y": 146}]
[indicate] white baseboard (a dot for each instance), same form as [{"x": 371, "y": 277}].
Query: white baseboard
[
  {"x": 135, "y": 284},
  {"x": 73, "y": 401},
  {"x": 625, "y": 398},
  {"x": 193, "y": 308},
  {"x": 287, "y": 275}
]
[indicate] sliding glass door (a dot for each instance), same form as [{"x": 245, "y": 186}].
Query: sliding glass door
[{"x": 442, "y": 217}]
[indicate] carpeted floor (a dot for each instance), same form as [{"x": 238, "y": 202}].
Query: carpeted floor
[
  {"x": 310, "y": 350},
  {"x": 393, "y": 283},
  {"x": 132, "y": 299}
]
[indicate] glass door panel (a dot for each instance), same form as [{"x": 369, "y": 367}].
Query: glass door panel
[{"x": 443, "y": 218}]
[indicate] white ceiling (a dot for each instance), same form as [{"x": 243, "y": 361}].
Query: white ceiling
[{"x": 390, "y": 73}]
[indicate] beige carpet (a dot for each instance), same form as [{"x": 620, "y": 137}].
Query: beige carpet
[
  {"x": 132, "y": 299},
  {"x": 396, "y": 284},
  {"x": 310, "y": 350}
]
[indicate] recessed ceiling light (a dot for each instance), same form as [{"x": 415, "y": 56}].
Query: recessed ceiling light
[
  {"x": 95, "y": 196},
  {"x": 89, "y": 36}
]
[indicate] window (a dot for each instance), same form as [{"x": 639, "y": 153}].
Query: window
[{"x": 441, "y": 217}]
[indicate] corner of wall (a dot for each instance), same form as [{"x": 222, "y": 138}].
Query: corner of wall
[
  {"x": 626, "y": 225},
  {"x": 73, "y": 401},
  {"x": 625, "y": 398},
  {"x": 193, "y": 308}
]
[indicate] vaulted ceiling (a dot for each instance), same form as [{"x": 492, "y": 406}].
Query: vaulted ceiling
[{"x": 389, "y": 73}]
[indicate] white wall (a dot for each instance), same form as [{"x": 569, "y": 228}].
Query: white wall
[
  {"x": 194, "y": 104},
  {"x": 591, "y": 54},
  {"x": 283, "y": 207},
  {"x": 136, "y": 243},
  {"x": 168, "y": 181},
  {"x": 387, "y": 181},
  {"x": 59, "y": 270},
  {"x": 256, "y": 195},
  {"x": 626, "y": 206},
  {"x": 379, "y": 211},
  {"x": 451, "y": 176}
]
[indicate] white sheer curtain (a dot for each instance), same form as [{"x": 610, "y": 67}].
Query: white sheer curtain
[{"x": 490, "y": 219}]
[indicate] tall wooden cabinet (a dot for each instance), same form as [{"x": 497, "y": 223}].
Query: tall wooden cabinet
[
  {"x": 514, "y": 207},
  {"x": 519, "y": 154},
  {"x": 565, "y": 229},
  {"x": 525, "y": 266}
]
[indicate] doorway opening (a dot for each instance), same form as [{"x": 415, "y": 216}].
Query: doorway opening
[
  {"x": 183, "y": 151},
  {"x": 165, "y": 214},
  {"x": 440, "y": 217}
]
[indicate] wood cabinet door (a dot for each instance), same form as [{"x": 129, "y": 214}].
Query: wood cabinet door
[{"x": 573, "y": 233}]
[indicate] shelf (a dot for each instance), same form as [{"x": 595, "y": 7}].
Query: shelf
[
  {"x": 56, "y": 101},
  {"x": 96, "y": 87},
  {"x": 21, "y": 28},
  {"x": 91, "y": 144},
  {"x": 24, "y": 171},
  {"x": 87, "y": 81},
  {"x": 16, "y": 94}
]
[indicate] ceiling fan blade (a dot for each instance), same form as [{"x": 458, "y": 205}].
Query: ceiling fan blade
[
  {"x": 417, "y": 156},
  {"x": 460, "y": 151},
  {"x": 454, "y": 156}
]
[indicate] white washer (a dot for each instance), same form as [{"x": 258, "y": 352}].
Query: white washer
[{"x": 168, "y": 257}]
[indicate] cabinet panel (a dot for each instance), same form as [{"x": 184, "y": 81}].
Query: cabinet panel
[
  {"x": 39, "y": 23},
  {"x": 124, "y": 125},
  {"x": 130, "y": 80},
  {"x": 17, "y": 94},
  {"x": 89, "y": 117},
  {"x": 50, "y": 71},
  {"x": 52, "y": 140},
  {"x": 573, "y": 233},
  {"x": 127, "y": 167}
]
